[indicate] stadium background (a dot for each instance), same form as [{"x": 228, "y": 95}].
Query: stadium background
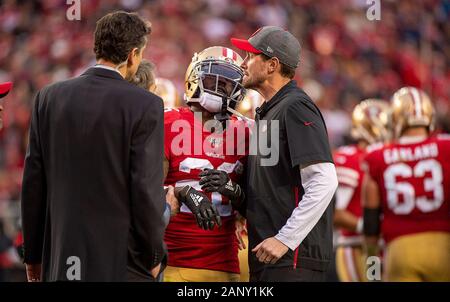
[{"x": 345, "y": 58}]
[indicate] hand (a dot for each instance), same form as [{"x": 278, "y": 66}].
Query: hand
[
  {"x": 203, "y": 209},
  {"x": 240, "y": 229},
  {"x": 219, "y": 181},
  {"x": 172, "y": 200},
  {"x": 270, "y": 250},
  {"x": 33, "y": 272}
]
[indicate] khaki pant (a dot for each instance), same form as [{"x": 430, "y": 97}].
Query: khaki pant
[
  {"x": 181, "y": 274},
  {"x": 419, "y": 257},
  {"x": 243, "y": 261},
  {"x": 350, "y": 264}
]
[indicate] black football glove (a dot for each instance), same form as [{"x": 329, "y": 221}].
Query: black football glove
[
  {"x": 203, "y": 209},
  {"x": 219, "y": 181}
]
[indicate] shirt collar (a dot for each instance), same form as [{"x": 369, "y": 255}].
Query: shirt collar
[
  {"x": 107, "y": 67},
  {"x": 267, "y": 105}
]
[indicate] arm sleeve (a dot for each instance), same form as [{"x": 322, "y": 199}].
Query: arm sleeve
[
  {"x": 319, "y": 182},
  {"x": 34, "y": 193},
  {"x": 147, "y": 193},
  {"x": 306, "y": 134}
]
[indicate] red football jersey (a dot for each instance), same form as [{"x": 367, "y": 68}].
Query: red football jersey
[
  {"x": 189, "y": 150},
  {"x": 414, "y": 182},
  {"x": 348, "y": 160}
]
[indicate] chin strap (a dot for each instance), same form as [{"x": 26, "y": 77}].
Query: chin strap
[{"x": 223, "y": 116}]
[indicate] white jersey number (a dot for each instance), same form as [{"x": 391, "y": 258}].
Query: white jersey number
[
  {"x": 200, "y": 163},
  {"x": 410, "y": 200}
]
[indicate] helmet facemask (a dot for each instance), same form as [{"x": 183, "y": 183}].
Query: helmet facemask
[{"x": 221, "y": 80}]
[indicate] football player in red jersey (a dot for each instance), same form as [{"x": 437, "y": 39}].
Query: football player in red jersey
[
  {"x": 194, "y": 151},
  {"x": 370, "y": 124},
  {"x": 408, "y": 183}
]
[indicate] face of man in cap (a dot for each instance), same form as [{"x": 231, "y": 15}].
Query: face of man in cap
[
  {"x": 271, "y": 51},
  {"x": 257, "y": 69}
]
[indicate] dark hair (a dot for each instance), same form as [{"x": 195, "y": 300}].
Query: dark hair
[
  {"x": 145, "y": 76},
  {"x": 285, "y": 71},
  {"x": 117, "y": 33}
]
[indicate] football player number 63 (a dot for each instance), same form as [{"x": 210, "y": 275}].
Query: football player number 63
[{"x": 410, "y": 200}]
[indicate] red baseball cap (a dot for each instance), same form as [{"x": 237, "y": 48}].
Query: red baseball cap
[
  {"x": 5, "y": 88},
  {"x": 272, "y": 41},
  {"x": 244, "y": 45}
]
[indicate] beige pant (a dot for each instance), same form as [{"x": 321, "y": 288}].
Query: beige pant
[
  {"x": 419, "y": 257},
  {"x": 181, "y": 274},
  {"x": 243, "y": 261},
  {"x": 350, "y": 264}
]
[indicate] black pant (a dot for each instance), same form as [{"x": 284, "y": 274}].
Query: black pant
[
  {"x": 288, "y": 274},
  {"x": 133, "y": 276}
]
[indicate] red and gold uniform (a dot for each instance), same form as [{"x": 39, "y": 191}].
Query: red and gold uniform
[
  {"x": 370, "y": 124},
  {"x": 190, "y": 149},
  {"x": 413, "y": 177},
  {"x": 349, "y": 256}
]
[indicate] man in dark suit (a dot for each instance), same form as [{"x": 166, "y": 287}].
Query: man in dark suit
[{"x": 92, "y": 197}]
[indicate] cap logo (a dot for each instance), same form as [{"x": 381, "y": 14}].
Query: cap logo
[{"x": 269, "y": 49}]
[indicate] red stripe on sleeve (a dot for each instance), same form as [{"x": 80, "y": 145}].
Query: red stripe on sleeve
[{"x": 298, "y": 247}]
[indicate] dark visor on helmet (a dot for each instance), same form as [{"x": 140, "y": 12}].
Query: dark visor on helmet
[{"x": 221, "y": 79}]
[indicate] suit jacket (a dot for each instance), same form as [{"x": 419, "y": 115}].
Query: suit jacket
[{"x": 93, "y": 180}]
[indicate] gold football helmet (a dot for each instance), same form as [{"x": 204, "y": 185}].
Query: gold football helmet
[
  {"x": 371, "y": 121},
  {"x": 215, "y": 71},
  {"x": 167, "y": 91},
  {"x": 411, "y": 107}
]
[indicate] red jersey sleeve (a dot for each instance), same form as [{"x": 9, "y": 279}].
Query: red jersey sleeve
[
  {"x": 372, "y": 161},
  {"x": 170, "y": 115}
]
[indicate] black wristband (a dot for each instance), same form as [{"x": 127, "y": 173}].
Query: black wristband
[{"x": 372, "y": 223}]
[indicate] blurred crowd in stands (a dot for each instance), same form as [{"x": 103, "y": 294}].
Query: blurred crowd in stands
[{"x": 345, "y": 57}]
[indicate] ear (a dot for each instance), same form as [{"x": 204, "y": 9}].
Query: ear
[
  {"x": 273, "y": 65},
  {"x": 132, "y": 56}
]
